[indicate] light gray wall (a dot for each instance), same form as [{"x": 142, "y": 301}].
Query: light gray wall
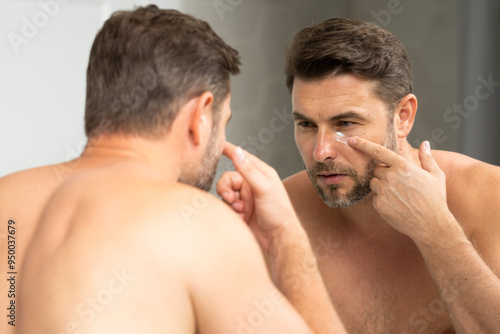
[{"x": 477, "y": 115}]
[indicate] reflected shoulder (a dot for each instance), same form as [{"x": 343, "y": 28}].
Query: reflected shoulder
[
  {"x": 299, "y": 187},
  {"x": 473, "y": 189},
  {"x": 297, "y": 181},
  {"x": 458, "y": 166}
]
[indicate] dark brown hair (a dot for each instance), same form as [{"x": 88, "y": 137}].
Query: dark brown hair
[
  {"x": 145, "y": 63},
  {"x": 344, "y": 46}
]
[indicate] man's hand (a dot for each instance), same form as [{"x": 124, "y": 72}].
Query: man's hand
[
  {"x": 410, "y": 198},
  {"x": 257, "y": 194},
  {"x": 231, "y": 187}
]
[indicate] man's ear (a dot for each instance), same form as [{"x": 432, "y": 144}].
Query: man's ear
[
  {"x": 201, "y": 117},
  {"x": 405, "y": 115}
]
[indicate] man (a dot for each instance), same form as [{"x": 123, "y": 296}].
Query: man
[
  {"x": 117, "y": 244},
  {"x": 415, "y": 233}
]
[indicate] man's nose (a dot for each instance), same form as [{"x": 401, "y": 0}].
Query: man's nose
[{"x": 326, "y": 146}]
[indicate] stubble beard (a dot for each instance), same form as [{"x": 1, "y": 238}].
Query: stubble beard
[
  {"x": 361, "y": 188},
  {"x": 201, "y": 175}
]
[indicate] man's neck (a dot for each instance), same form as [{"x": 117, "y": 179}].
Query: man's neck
[
  {"x": 405, "y": 150},
  {"x": 363, "y": 219},
  {"x": 157, "y": 155}
]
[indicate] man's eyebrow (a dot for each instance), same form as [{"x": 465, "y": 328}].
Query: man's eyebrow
[
  {"x": 230, "y": 115},
  {"x": 299, "y": 117},
  {"x": 346, "y": 115}
]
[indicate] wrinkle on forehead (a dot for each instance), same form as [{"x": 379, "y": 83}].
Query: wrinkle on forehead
[{"x": 346, "y": 91}]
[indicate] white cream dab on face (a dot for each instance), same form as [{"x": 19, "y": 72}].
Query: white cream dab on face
[{"x": 341, "y": 137}]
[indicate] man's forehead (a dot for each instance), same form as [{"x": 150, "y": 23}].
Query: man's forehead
[
  {"x": 337, "y": 86},
  {"x": 333, "y": 97},
  {"x": 344, "y": 90}
]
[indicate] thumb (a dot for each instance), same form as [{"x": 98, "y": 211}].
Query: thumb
[
  {"x": 228, "y": 184},
  {"x": 426, "y": 160}
]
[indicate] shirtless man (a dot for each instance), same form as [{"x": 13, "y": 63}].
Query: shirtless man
[
  {"x": 416, "y": 233},
  {"x": 118, "y": 244}
]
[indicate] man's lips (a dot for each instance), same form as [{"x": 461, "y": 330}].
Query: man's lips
[{"x": 331, "y": 178}]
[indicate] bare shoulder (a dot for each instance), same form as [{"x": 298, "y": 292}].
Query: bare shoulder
[
  {"x": 302, "y": 192},
  {"x": 299, "y": 186},
  {"x": 29, "y": 180},
  {"x": 189, "y": 241},
  {"x": 308, "y": 205},
  {"x": 468, "y": 175},
  {"x": 197, "y": 213},
  {"x": 167, "y": 222},
  {"x": 293, "y": 182},
  {"x": 205, "y": 227},
  {"x": 24, "y": 195},
  {"x": 473, "y": 189},
  {"x": 213, "y": 252}
]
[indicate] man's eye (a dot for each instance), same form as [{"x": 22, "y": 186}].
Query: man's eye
[
  {"x": 345, "y": 124},
  {"x": 305, "y": 124}
]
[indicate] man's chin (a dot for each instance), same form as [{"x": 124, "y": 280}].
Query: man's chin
[
  {"x": 344, "y": 200},
  {"x": 353, "y": 203}
]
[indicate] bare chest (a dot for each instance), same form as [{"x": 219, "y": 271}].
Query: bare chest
[{"x": 381, "y": 287}]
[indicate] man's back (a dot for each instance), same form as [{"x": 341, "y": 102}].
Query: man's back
[
  {"x": 95, "y": 240},
  {"x": 23, "y": 196},
  {"x": 119, "y": 249}
]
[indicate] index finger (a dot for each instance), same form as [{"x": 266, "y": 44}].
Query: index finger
[
  {"x": 249, "y": 166},
  {"x": 231, "y": 151},
  {"x": 376, "y": 151}
]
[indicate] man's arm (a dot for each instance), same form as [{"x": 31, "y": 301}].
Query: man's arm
[
  {"x": 413, "y": 200},
  {"x": 258, "y": 195}
]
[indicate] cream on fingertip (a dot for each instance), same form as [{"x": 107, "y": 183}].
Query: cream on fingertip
[{"x": 238, "y": 154}]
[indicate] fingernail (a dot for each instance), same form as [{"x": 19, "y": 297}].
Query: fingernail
[
  {"x": 351, "y": 140},
  {"x": 427, "y": 146},
  {"x": 238, "y": 154}
]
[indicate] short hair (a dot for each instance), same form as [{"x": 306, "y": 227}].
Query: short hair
[
  {"x": 345, "y": 46},
  {"x": 145, "y": 63}
]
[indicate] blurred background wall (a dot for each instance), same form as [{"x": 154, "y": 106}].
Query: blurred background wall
[
  {"x": 42, "y": 74},
  {"x": 478, "y": 118}
]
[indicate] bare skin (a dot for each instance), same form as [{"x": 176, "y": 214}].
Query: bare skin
[
  {"x": 115, "y": 262},
  {"x": 386, "y": 285},
  {"x": 417, "y": 255},
  {"x": 24, "y": 196},
  {"x": 121, "y": 246}
]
